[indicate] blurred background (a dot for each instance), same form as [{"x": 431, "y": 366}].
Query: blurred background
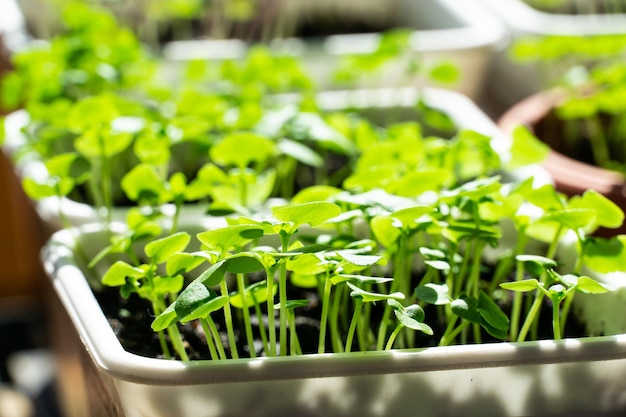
[{"x": 470, "y": 46}]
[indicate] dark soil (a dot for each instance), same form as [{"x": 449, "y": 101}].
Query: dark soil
[{"x": 131, "y": 319}]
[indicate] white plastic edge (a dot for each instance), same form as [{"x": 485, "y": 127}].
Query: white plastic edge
[
  {"x": 525, "y": 19},
  {"x": 108, "y": 354}
]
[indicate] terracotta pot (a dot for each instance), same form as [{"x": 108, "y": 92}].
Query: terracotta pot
[{"x": 571, "y": 177}]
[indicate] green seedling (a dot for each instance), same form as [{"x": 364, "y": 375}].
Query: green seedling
[
  {"x": 146, "y": 281},
  {"x": 557, "y": 288}
]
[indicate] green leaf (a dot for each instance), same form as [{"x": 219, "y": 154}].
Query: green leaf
[
  {"x": 152, "y": 149},
  {"x": 591, "y": 286},
  {"x": 361, "y": 279},
  {"x": 97, "y": 143},
  {"x": 413, "y": 317},
  {"x": 574, "y": 218},
  {"x": 474, "y": 190},
  {"x": 409, "y": 216},
  {"x": 545, "y": 197},
  {"x": 521, "y": 286},
  {"x": 242, "y": 149},
  {"x": 431, "y": 293},
  {"x": 165, "y": 319},
  {"x": 385, "y": 231},
  {"x": 244, "y": 263},
  {"x": 116, "y": 275},
  {"x": 229, "y": 237},
  {"x": 36, "y": 190},
  {"x": 214, "y": 275},
  {"x": 467, "y": 308},
  {"x": 301, "y": 153},
  {"x": 307, "y": 264},
  {"x": 359, "y": 260},
  {"x": 161, "y": 249},
  {"x": 315, "y": 193},
  {"x": 539, "y": 260},
  {"x": 608, "y": 214},
  {"x": 314, "y": 213},
  {"x": 439, "y": 265},
  {"x": 198, "y": 301},
  {"x": 368, "y": 296},
  {"x": 168, "y": 285},
  {"x": 91, "y": 112},
  {"x": 144, "y": 185},
  {"x": 304, "y": 280},
  {"x": 183, "y": 262},
  {"x": 605, "y": 255},
  {"x": 491, "y": 313},
  {"x": 527, "y": 149},
  {"x": 293, "y": 304},
  {"x": 69, "y": 165}
]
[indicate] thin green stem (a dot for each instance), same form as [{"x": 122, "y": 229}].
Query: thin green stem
[
  {"x": 335, "y": 337},
  {"x": 216, "y": 337},
  {"x": 393, "y": 336},
  {"x": 228, "y": 318},
  {"x": 451, "y": 333},
  {"x": 270, "y": 311},
  {"x": 321, "y": 346},
  {"x": 209, "y": 339},
  {"x": 282, "y": 295},
  {"x": 398, "y": 277},
  {"x": 516, "y": 309},
  {"x": 246, "y": 315},
  {"x": 294, "y": 342},
  {"x": 261, "y": 324},
  {"x": 556, "y": 320},
  {"x": 531, "y": 316},
  {"x": 353, "y": 323}
]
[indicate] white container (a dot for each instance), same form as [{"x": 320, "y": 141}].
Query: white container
[
  {"x": 454, "y": 31},
  {"x": 570, "y": 377},
  {"x": 511, "y": 81},
  {"x": 464, "y": 113}
]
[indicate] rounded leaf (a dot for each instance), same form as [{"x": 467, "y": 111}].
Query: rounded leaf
[
  {"x": 313, "y": 213},
  {"x": 161, "y": 249}
]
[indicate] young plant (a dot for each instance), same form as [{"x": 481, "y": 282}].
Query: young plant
[
  {"x": 147, "y": 282},
  {"x": 556, "y": 287}
]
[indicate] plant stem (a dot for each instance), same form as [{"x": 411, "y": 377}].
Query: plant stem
[
  {"x": 532, "y": 315},
  {"x": 246, "y": 315},
  {"x": 556, "y": 320},
  {"x": 228, "y": 318},
  {"x": 537, "y": 310},
  {"x": 516, "y": 309},
  {"x": 324, "y": 318},
  {"x": 335, "y": 337},
  {"x": 261, "y": 324},
  {"x": 282, "y": 295},
  {"x": 451, "y": 333},
  {"x": 393, "y": 335},
  {"x": 565, "y": 311},
  {"x": 353, "y": 326},
  {"x": 209, "y": 339},
  {"x": 270, "y": 311},
  {"x": 398, "y": 277},
  {"x": 216, "y": 337},
  {"x": 294, "y": 343}
]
